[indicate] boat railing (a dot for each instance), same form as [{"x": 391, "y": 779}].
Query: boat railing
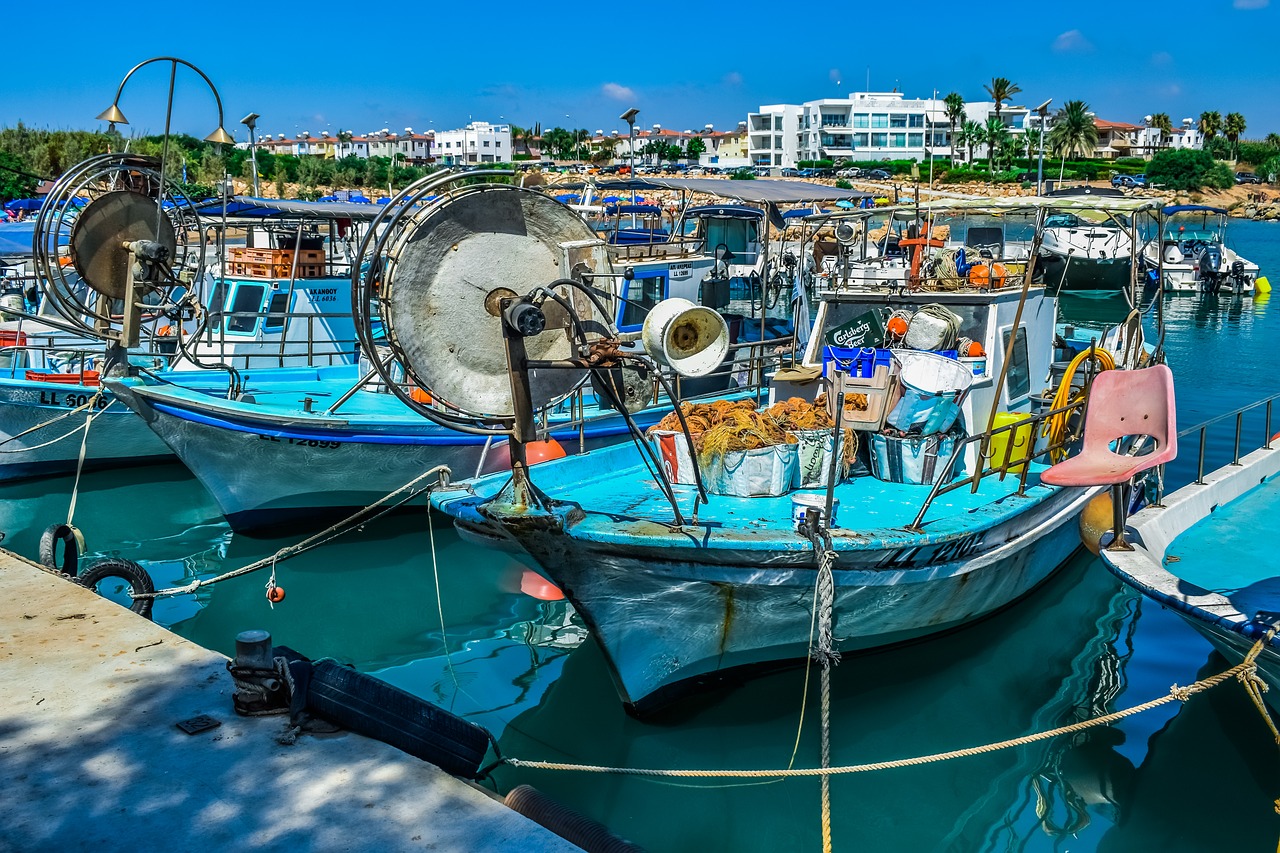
[
  {"x": 1012, "y": 458},
  {"x": 1202, "y": 430},
  {"x": 670, "y": 247},
  {"x": 304, "y": 338}
]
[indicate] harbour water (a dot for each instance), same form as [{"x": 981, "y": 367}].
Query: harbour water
[{"x": 405, "y": 598}]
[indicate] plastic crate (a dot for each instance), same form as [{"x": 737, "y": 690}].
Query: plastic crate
[
  {"x": 275, "y": 263},
  {"x": 863, "y": 361},
  {"x": 881, "y": 390}
]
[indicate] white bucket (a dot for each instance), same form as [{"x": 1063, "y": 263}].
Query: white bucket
[
  {"x": 802, "y": 503},
  {"x": 918, "y": 459},
  {"x": 932, "y": 386},
  {"x": 978, "y": 365},
  {"x": 688, "y": 338}
]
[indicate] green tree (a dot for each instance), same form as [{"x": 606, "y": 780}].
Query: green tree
[
  {"x": 14, "y": 180},
  {"x": 955, "y": 114},
  {"x": 1162, "y": 123},
  {"x": 1273, "y": 139},
  {"x": 1232, "y": 126},
  {"x": 1210, "y": 126},
  {"x": 558, "y": 142},
  {"x": 970, "y": 136},
  {"x": 1001, "y": 89},
  {"x": 1187, "y": 169},
  {"x": 695, "y": 148},
  {"x": 997, "y": 138},
  {"x": 1073, "y": 133}
]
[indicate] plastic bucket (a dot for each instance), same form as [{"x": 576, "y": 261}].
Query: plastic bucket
[
  {"x": 813, "y": 457},
  {"x": 932, "y": 387},
  {"x": 920, "y": 460},
  {"x": 763, "y": 472},
  {"x": 800, "y": 504}
]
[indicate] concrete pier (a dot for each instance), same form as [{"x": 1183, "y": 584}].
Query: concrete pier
[{"x": 91, "y": 757}]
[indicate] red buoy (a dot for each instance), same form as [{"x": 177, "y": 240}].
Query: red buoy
[
  {"x": 275, "y": 594},
  {"x": 536, "y": 586}
]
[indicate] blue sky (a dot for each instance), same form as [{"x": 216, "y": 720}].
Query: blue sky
[{"x": 324, "y": 65}]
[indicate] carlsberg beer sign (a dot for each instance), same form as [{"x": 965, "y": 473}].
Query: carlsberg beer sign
[{"x": 865, "y": 330}]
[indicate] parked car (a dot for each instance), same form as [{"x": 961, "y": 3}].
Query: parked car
[
  {"x": 849, "y": 173},
  {"x": 790, "y": 173},
  {"x": 875, "y": 175},
  {"x": 695, "y": 170},
  {"x": 1247, "y": 178}
]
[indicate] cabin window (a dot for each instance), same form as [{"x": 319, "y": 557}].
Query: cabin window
[
  {"x": 644, "y": 291},
  {"x": 740, "y": 236},
  {"x": 1018, "y": 378},
  {"x": 276, "y": 310},
  {"x": 246, "y": 300}
]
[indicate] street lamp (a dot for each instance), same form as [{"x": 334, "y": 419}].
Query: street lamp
[
  {"x": 251, "y": 121},
  {"x": 630, "y": 118},
  {"x": 1043, "y": 112}
]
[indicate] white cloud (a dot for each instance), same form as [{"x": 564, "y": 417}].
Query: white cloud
[
  {"x": 1251, "y": 4},
  {"x": 618, "y": 92},
  {"x": 733, "y": 78},
  {"x": 1072, "y": 41},
  {"x": 834, "y": 74}
]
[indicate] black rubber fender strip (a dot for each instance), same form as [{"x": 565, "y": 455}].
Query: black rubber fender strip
[
  {"x": 126, "y": 570},
  {"x": 72, "y": 548}
]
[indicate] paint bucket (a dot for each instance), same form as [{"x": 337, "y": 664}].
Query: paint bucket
[
  {"x": 932, "y": 387},
  {"x": 802, "y": 503}
]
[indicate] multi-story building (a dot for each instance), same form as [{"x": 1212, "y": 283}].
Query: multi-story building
[
  {"x": 863, "y": 126},
  {"x": 478, "y": 142}
]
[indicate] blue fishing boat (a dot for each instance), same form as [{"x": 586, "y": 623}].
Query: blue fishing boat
[
  {"x": 258, "y": 309},
  {"x": 687, "y": 581},
  {"x": 1203, "y": 553}
]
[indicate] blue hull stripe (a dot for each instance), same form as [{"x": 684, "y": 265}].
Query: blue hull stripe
[{"x": 443, "y": 438}]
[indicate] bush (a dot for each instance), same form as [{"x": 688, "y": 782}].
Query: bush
[
  {"x": 1256, "y": 153},
  {"x": 842, "y": 184},
  {"x": 743, "y": 175},
  {"x": 1220, "y": 177},
  {"x": 1269, "y": 169},
  {"x": 1187, "y": 169}
]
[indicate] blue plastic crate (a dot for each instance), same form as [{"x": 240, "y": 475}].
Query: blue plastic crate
[{"x": 862, "y": 362}]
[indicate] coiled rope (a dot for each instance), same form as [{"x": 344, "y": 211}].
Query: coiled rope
[
  {"x": 1056, "y": 428},
  {"x": 1246, "y": 672},
  {"x": 329, "y": 533}
]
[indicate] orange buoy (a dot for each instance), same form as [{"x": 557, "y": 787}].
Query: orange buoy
[
  {"x": 897, "y": 326},
  {"x": 980, "y": 275},
  {"x": 418, "y": 395},
  {"x": 536, "y": 586},
  {"x": 997, "y": 275},
  {"x": 275, "y": 594},
  {"x": 975, "y": 350},
  {"x": 543, "y": 451}
]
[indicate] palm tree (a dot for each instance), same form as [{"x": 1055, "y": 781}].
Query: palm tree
[
  {"x": 955, "y": 114},
  {"x": 1233, "y": 126},
  {"x": 1073, "y": 133},
  {"x": 997, "y": 137},
  {"x": 1001, "y": 90},
  {"x": 971, "y": 135},
  {"x": 1210, "y": 126},
  {"x": 1162, "y": 123},
  {"x": 1273, "y": 139}
]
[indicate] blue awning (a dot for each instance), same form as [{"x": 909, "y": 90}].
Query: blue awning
[
  {"x": 1191, "y": 208},
  {"x": 567, "y": 197}
]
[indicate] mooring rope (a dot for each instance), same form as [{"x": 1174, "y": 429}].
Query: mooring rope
[
  {"x": 84, "y": 444},
  {"x": 825, "y": 653},
  {"x": 1244, "y": 671},
  {"x": 328, "y": 534}
]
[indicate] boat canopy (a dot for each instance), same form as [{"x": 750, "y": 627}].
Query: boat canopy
[
  {"x": 724, "y": 211},
  {"x": 249, "y": 207},
  {"x": 759, "y": 191},
  {"x": 613, "y": 210},
  {"x": 1191, "y": 208}
]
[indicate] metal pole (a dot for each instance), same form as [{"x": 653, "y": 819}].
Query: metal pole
[
  {"x": 253, "y": 159},
  {"x": 1040, "y": 167}
]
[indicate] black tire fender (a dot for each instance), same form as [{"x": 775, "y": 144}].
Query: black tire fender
[
  {"x": 127, "y": 570},
  {"x": 72, "y": 548}
]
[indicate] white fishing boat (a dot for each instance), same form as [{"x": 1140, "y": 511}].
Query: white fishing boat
[{"x": 1192, "y": 255}]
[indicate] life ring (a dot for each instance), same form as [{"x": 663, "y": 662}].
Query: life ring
[
  {"x": 72, "y": 548},
  {"x": 128, "y": 571}
]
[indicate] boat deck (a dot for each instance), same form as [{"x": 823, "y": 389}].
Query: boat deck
[
  {"x": 1224, "y": 553},
  {"x": 616, "y": 486}
]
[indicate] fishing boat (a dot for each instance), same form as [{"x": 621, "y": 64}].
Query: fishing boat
[
  {"x": 260, "y": 310},
  {"x": 1192, "y": 255},
  {"x": 1089, "y": 252},
  {"x": 1199, "y": 551},
  {"x": 685, "y": 585}
]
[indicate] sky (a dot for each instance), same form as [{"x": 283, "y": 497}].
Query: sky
[{"x": 334, "y": 66}]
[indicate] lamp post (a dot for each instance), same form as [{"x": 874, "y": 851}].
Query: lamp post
[
  {"x": 630, "y": 118},
  {"x": 113, "y": 116},
  {"x": 1043, "y": 112},
  {"x": 251, "y": 121}
]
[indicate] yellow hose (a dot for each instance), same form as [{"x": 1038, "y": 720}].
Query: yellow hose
[{"x": 1056, "y": 428}]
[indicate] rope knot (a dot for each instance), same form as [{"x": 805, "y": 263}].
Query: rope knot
[{"x": 1182, "y": 694}]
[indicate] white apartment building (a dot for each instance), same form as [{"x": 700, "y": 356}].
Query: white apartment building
[
  {"x": 478, "y": 142},
  {"x": 863, "y": 126}
]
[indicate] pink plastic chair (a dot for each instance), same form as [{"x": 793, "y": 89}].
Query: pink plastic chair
[{"x": 1122, "y": 403}]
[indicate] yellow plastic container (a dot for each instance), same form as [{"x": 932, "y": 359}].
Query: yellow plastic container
[
  {"x": 1021, "y": 439},
  {"x": 1261, "y": 285}
]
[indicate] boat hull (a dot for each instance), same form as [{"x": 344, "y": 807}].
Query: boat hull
[
  {"x": 673, "y": 620},
  {"x": 117, "y": 437}
]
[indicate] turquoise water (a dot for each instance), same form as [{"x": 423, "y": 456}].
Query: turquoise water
[{"x": 1190, "y": 778}]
